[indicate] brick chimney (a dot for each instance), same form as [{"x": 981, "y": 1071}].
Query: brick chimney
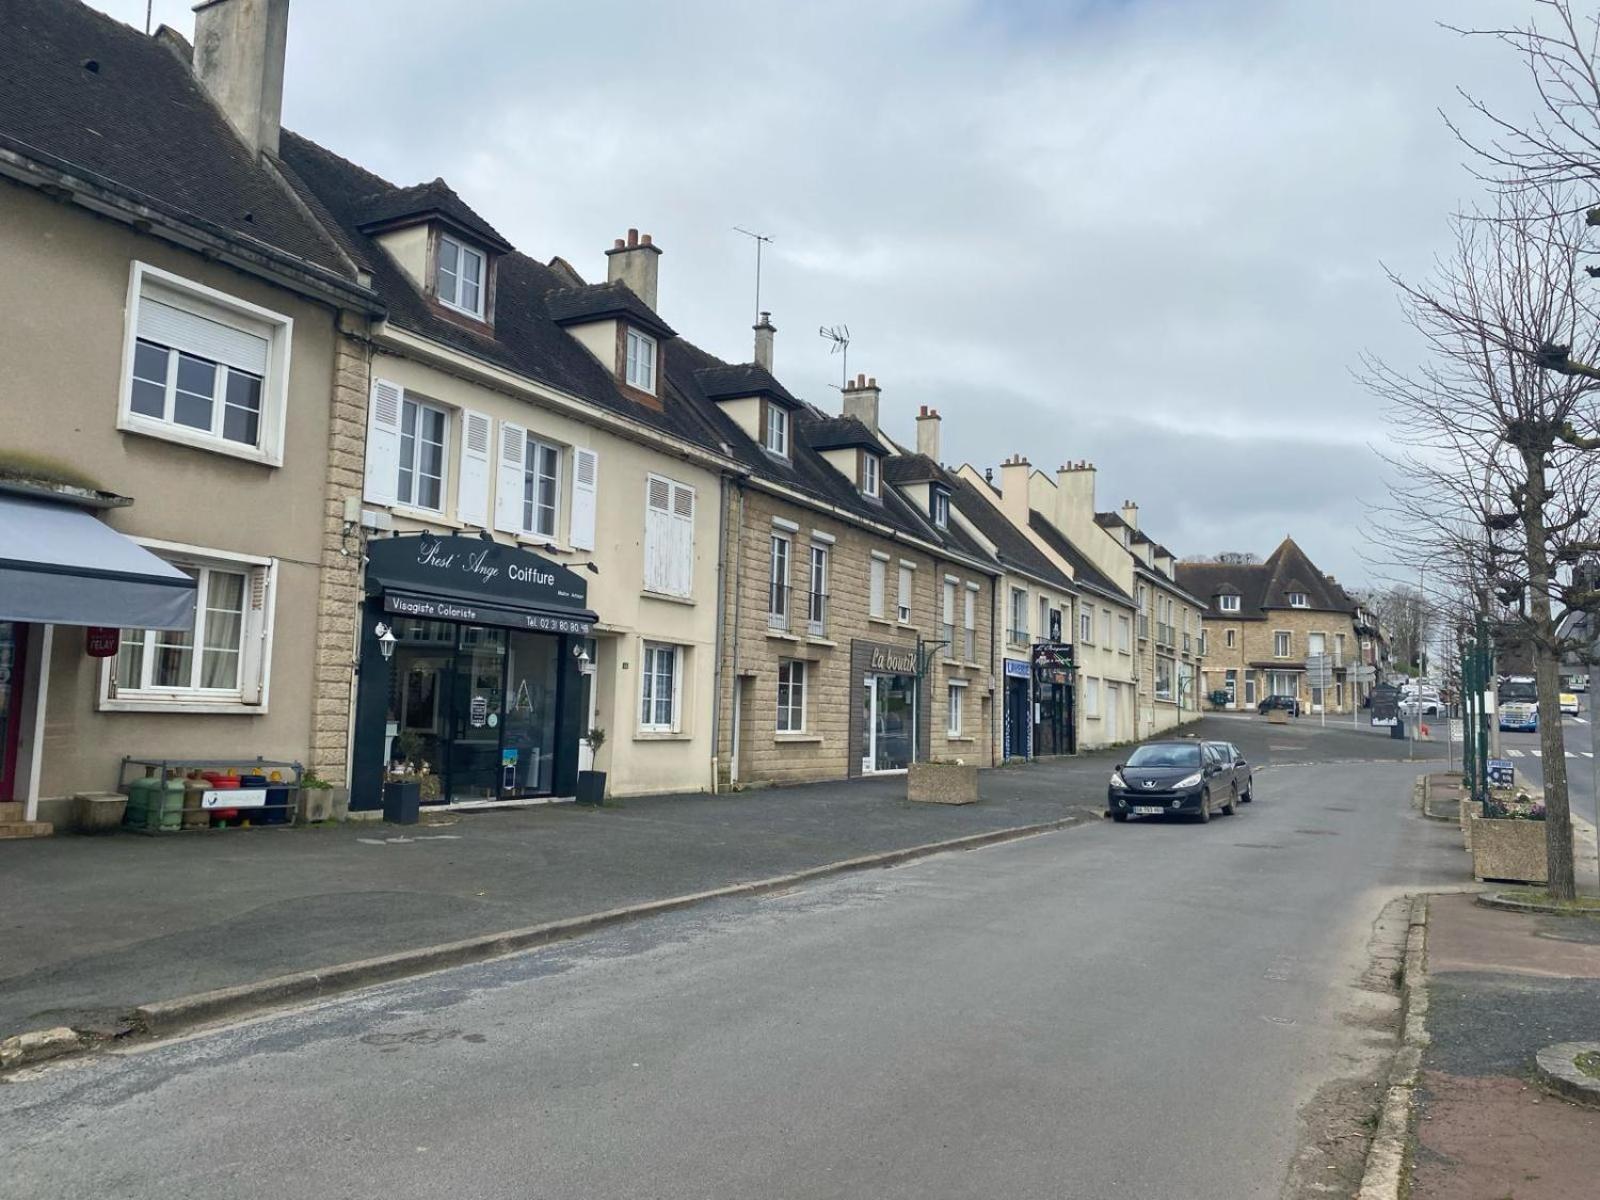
[
  {"x": 765, "y": 331},
  {"x": 861, "y": 401},
  {"x": 239, "y": 47},
  {"x": 1074, "y": 494},
  {"x": 635, "y": 262},
  {"x": 928, "y": 432},
  {"x": 1130, "y": 514},
  {"x": 1014, "y": 474}
]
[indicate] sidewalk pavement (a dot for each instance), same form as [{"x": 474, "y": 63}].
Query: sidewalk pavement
[
  {"x": 1501, "y": 987},
  {"x": 92, "y": 926}
]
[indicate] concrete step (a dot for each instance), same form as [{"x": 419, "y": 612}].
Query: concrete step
[
  {"x": 25, "y": 829},
  {"x": 11, "y": 810}
]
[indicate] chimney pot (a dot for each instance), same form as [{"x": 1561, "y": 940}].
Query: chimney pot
[
  {"x": 644, "y": 239},
  {"x": 619, "y": 244},
  {"x": 861, "y": 402},
  {"x": 928, "y": 432},
  {"x": 635, "y": 262},
  {"x": 633, "y": 237},
  {"x": 765, "y": 332}
]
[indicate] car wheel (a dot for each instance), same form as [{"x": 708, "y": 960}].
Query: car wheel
[
  {"x": 1205, "y": 806},
  {"x": 1119, "y": 817},
  {"x": 1232, "y": 806},
  {"x": 1249, "y": 792}
]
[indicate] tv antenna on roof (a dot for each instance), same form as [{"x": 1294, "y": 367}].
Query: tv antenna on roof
[
  {"x": 839, "y": 335},
  {"x": 760, "y": 239}
]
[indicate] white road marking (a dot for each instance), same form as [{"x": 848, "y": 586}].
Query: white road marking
[
  {"x": 1514, "y": 753},
  {"x": 1537, "y": 753},
  {"x": 1587, "y": 753}
]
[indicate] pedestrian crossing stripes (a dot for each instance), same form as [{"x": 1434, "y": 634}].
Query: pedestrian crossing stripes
[{"x": 1539, "y": 753}]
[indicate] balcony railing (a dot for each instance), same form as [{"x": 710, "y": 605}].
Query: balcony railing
[
  {"x": 817, "y": 613},
  {"x": 1017, "y": 637},
  {"x": 947, "y": 631},
  {"x": 1188, "y": 643},
  {"x": 1166, "y": 635},
  {"x": 778, "y": 607},
  {"x": 969, "y": 645}
]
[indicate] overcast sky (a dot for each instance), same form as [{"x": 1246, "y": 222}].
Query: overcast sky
[{"x": 1146, "y": 234}]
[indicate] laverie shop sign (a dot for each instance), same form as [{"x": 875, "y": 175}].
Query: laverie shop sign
[{"x": 480, "y": 583}]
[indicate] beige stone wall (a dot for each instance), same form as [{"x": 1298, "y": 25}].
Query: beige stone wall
[
  {"x": 64, "y": 292},
  {"x": 1254, "y": 644},
  {"x": 752, "y": 649}
]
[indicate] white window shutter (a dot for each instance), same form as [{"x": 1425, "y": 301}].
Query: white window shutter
[
  {"x": 253, "y": 637},
  {"x": 682, "y": 539},
  {"x": 508, "y": 490},
  {"x": 878, "y": 571},
  {"x": 657, "y": 534},
  {"x": 472, "y": 480},
  {"x": 949, "y": 603},
  {"x": 585, "y": 488},
  {"x": 905, "y": 588},
  {"x": 383, "y": 442}
]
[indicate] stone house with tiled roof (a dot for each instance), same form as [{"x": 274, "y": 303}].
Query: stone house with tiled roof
[{"x": 1263, "y": 619}]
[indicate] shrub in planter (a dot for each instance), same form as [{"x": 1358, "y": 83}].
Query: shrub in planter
[
  {"x": 316, "y": 798},
  {"x": 592, "y": 784}
]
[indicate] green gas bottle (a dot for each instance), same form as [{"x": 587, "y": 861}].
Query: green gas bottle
[
  {"x": 172, "y": 802},
  {"x": 142, "y": 799}
]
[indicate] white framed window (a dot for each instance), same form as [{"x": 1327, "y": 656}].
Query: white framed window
[
  {"x": 956, "y": 691},
  {"x": 949, "y": 614},
  {"x": 660, "y": 688},
  {"x": 1298, "y": 600},
  {"x": 1086, "y": 626},
  {"x": 1281, "y": 644},
  {"x": 1042, "y": 629},
  {"x": 641, "y": 361},
  {"x": 1017, "y": 635},
  {"x": 541, "y": 485},
  {"x": 878, "y": 576},
  {"x": 424, "y": 439},
  {"x": 1091, "y": 697},
  {"x": 1163, "y": 678},
  {"x": 869, "y": 473},
  {"x": 1124, "y": 635},
  {"x": 791, "y": 695},
  {"x": 941, "y": 508},
  {"x": 1316, "y": 643},
  {"x": 903, "y": 605},
  {"x": 777, "y": 429},
  {"x": 1227, "y": 638},
  {"x": 668, "y": 537},
  {"x": 969, "y": 624},
  {"x": 459, "y": 276},
  {"x": 778, "y": 582},
  {"x": 222, "y": 662},
  {"x": 203, "y": 368},
  {"x": 1228, "y": 603},
  {"x": 817, "y": 601}
]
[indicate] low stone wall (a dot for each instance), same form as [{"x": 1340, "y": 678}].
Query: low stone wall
[
  {"x": 1508, "y": 850},
  {"x": 942, "y": 783}
]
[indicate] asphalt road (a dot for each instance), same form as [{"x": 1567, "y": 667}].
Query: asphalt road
[{"x": 1133, "y": 1010}]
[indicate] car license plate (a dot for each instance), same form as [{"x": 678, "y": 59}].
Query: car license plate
[{"x": 1148, "y": 810}]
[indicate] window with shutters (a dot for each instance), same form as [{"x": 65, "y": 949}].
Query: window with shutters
[
  {"x": 541, "y": 485},
  {"x": 660, "y": 688},
  {"x": 903, "y": 606},
  {"x": 460, "y": 276},
  {"x": 641, "y": 361},
  {"x": 219, "y": 663},
  {"x": 791, "y": 696},
  {"x": 878, "y": 573},
  {"x": 668, "y": 537},
  {"x": 204, "y": 368},
  {"x": 424, "y": 434}
]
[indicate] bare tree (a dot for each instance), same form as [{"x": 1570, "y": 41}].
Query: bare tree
[
  {"x": 1409, "y": 618},
  {"x": 1495, "y": 490}
]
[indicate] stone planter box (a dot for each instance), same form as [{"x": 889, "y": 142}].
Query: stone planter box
[
  {"x": 1470, "y": 809},
  {"x": 1508, "y": 850},
  {"x": 99, "y": 812},
  {"x": 942, "y": 783},
  {"x": 1277, "y": 716}
]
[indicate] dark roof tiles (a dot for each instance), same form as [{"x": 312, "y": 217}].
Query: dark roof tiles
[{"x": 395, "y": 205}]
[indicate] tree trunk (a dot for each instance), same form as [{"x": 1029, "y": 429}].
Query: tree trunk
[{"x": 1547, "y": 676}]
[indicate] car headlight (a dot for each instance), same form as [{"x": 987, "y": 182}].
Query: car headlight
[
  {"x": 1189, "y": 780},
  {"x": 1117, "y": 780}
]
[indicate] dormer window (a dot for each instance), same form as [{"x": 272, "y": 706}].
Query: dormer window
[
  {"x": 459, "y": 278},
  {"x": 777, "y": 435},
  {"x": 641, "y": 361},
  {"x": 939, "y": 505},
  {"x": 1228, "y": 603},
  {"x": 1298, "y": 600},
  {"x": 869, "y": 474}
]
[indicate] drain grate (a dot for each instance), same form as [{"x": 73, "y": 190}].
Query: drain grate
[{"x": 1323, "y": 832}]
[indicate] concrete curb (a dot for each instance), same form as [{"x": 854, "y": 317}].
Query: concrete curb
[
  {"x": 1558, "y": 1074},
  {"x": 1507, "y": 904},
  {"x": 1387, "y": 1157},
  {"x": 164, "y": 1017},
  {"x": 38, "y": 1045}
]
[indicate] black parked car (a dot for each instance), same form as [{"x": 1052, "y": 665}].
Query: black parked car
[
  {"x": 1244, "y": 781},
  {"x": 1289, "y": 704},
  {"x": 1171, "y": 779}
]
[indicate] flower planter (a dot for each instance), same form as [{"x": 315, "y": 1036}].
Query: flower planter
[
  {"x": 942, "y": 783},
  {"x": 1277, "y": 716},
  {"x": 315, "y": 804},
  {"x": 1508, "y": 850},
  {"x": 100, "y": 812},
  {"x": 402, "y": 802}
]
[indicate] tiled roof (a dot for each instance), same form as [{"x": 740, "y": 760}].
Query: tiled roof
[
  {"x": 600, "y": 301},
  {"x": 97, "y": 99},
  {"x": 838, "y": 433},
  {"x": 743, "y": 379},
  {"x": 915, "y": 468},
  {"x": 1265, "y": 586},
  {"x": 1087, "y": 575},
  {"x": 429, "y": 199},
  {"x": 1014, "y": 548}
]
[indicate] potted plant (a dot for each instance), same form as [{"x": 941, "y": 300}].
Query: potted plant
[
  {"x": 402, "y": 784},
  {"x": 316, "y": 798},
  {"x": 592, "y": 784},
  {"x": 1218, "y": 698}
]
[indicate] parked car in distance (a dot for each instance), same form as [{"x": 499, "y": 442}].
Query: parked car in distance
[
  {"x": 1576, "y": 683},
  {"x": 1288, "y": 704},
  {"x": 1569, "y": 703},
  {"x": 1426, "y": 699},
  {"x": 1177, "y": 778},
  {"x": 1244, "y": 779}
]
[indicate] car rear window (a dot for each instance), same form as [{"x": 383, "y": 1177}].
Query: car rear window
[{"x": 1165, "y": 756}]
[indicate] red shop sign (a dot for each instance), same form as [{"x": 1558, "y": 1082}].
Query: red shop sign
[{"x": 101, "y": 642}]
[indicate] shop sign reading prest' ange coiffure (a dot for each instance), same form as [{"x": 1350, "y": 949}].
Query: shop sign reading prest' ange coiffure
[{"x": 449, "y": 577}]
